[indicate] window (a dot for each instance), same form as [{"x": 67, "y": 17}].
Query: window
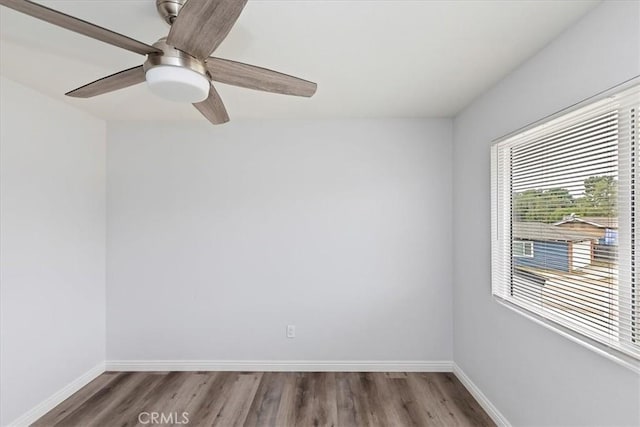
[
  {"x": 567, "y": 187},
  {"x": 522, "y": 249}
]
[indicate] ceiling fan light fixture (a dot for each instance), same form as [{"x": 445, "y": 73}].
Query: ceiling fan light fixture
[
  {"x": 179, "y": 67},
  {"x": 177, "y": 83}
]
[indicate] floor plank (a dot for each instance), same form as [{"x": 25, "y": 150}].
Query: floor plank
[
  {"x": 104, "y": 401},
  {"x": 236, "y": 408},
  {"x": 353, "y": 408},
  {"x": 76, "y": 400},
  {"x": 376, "y": 399},
  {"x": 125, "y": 413},
  {"x": 204, "y": 410},
  {"x": 465, "y": 407},
  {"x": 264, "y": 408},
  {"x": 286, "y": 415},
  {"x": 278, "y": 399},
  {"x": 408, "y": 407}
]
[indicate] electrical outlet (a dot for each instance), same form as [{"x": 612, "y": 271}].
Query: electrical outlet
[{"x": 291, "y": 331}]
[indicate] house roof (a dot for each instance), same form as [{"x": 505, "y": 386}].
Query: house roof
[
  {"x": 547, "y": 232},
  {"x": 596, "y": 221}
]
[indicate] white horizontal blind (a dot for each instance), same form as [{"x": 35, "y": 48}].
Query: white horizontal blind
[{"x": 564, "y": 221}]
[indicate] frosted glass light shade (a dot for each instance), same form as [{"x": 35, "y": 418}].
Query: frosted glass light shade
[{"x": 177, "y": 84}]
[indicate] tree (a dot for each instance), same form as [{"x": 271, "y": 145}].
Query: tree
[
  {"x": 551, "y": 205},
  {"x": 543, "y": 205},
  {"x": 600, "y": 196}
]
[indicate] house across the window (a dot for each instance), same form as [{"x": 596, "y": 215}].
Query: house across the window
[{"x": 560, "y": 246}]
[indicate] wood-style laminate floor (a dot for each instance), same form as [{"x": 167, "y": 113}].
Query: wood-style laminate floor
[{"x": 280, "y": 399}]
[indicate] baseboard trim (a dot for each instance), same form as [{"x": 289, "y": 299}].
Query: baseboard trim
[
  {"x": 58, "y": 397},
  {"x": 277, "y": 366},
  {"x": 486, "y": 404}
]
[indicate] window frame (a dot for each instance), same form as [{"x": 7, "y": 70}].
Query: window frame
[
  {"x": 524, "y": 243},
  {"x": 548, "y": 321}
]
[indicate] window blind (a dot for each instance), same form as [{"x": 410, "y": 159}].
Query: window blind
[{"x": 564, "y": 221}]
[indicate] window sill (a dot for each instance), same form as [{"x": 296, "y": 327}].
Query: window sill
[{"x": 608, "y": 352}]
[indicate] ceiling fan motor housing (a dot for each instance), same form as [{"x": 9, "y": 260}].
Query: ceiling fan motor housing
[
  {"x": 176, "y": 75},
  {"x": 169, "y": 9}
]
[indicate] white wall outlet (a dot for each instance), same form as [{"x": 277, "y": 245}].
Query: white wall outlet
[{"x": 291, "y": 331}]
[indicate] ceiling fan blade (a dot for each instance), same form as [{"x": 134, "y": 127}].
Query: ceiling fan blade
[
  {"x": 78, "y": 25},
  {"x": 213, "y": 108},
  {"x": 201, "y": 25},
  {"x": 120, "y": 80},
  {"x": 252, "y": 77}
]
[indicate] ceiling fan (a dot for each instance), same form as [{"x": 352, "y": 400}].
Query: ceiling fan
[{"x": 178, "y": 67}]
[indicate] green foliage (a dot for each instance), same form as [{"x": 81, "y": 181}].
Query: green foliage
[
  {"x": 543, "y": 205},
  {"x": 598, "y": 199},
  {"x": 600, "y": 193}
]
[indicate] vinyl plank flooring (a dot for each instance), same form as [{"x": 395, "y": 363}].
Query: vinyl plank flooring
[
  {"x": 235, "y": 410},
  {"x": 204, "y": 410},
  {"x": 465, "y": 407},
  {"x": 447, "y": 410},
  {"x": 352, "y": 403},
  {"x": 406, "y": 405},
  {"x": 193, "y": 390},
  {"x": 386, "y": 410},
  {"x": 76, "y": 400},
  {"x": 376, "y": 399},
  {"x": 104, "y": 402},
  {"x": 286, "y": 414},
  {"x": 315, "y": 402},
  {"x": 125, "y": 413},
  {"x": 322, "y": 410},
  {"x": 301, "y": 407},
  {"x": 423, "y": 387},
  {"x": 276, "y": 399},
  {"x": 264, "y": 408}
]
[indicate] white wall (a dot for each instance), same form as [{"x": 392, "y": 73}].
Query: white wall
[
  {"x": 218, "y": 237},
  {"x": 52, "y": 246},
  {"x": 534, "y": 376}
]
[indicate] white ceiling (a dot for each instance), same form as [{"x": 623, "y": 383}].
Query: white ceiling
[{"x": 369, "y": 58}]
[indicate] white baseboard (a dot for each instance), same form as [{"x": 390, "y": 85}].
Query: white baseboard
[
  {"x": 58, "y": 397},
  {"x": 486, "y": 404},
  {"x": 284, "y": 365}
]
